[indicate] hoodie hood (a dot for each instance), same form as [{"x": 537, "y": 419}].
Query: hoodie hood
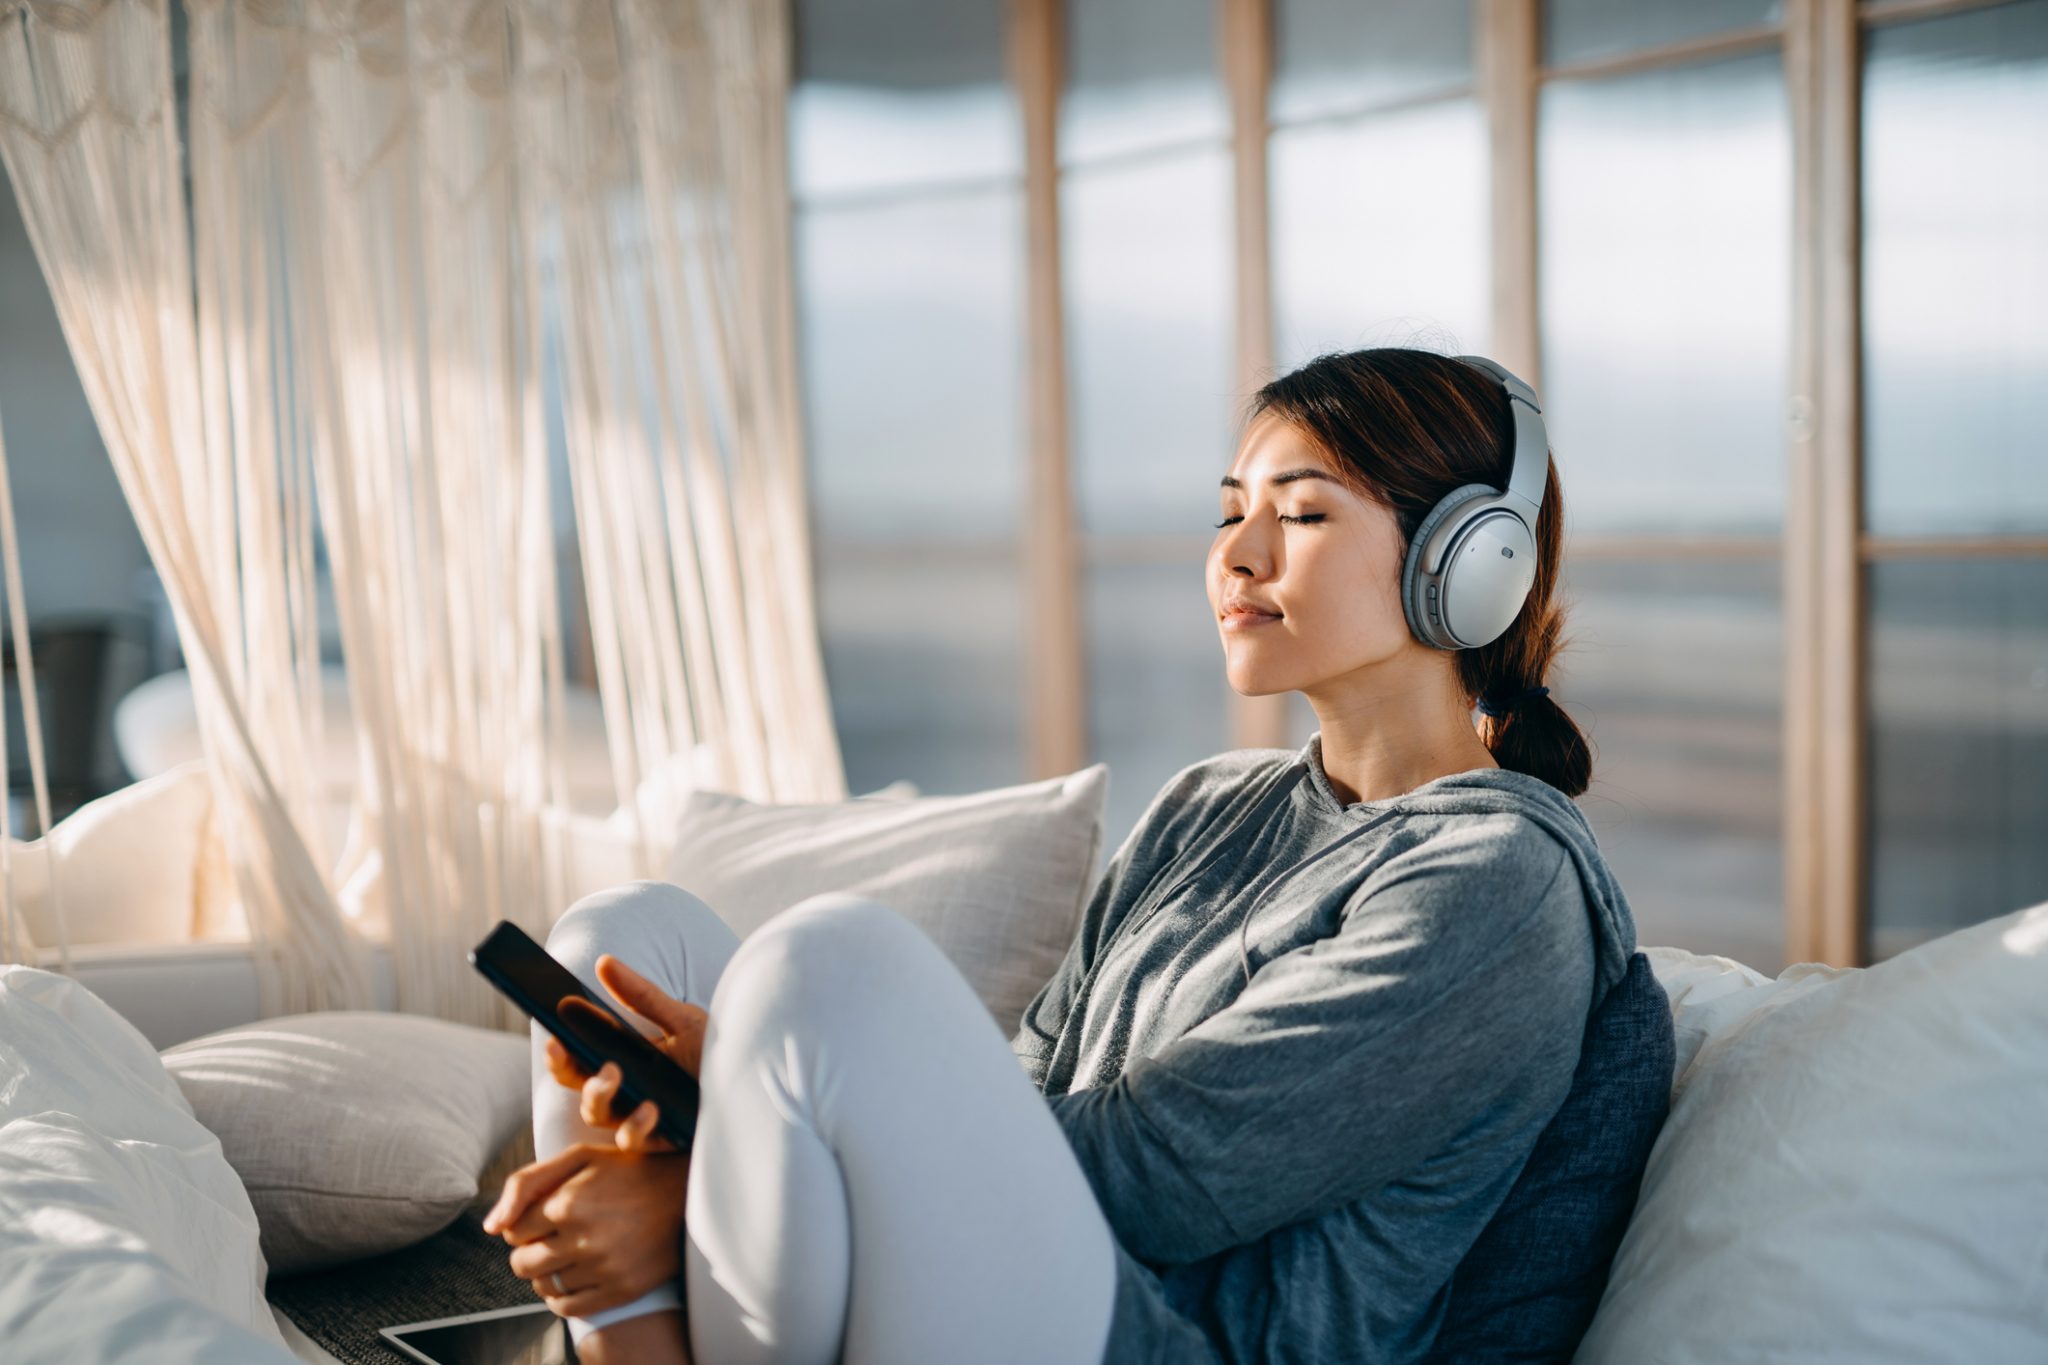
[{"x": 1496, "y": 791}]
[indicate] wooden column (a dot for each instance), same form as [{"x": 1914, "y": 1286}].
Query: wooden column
[
  {"x": 1056, "y": 716},
  {"x": 1826, "y": 838},
  {"x": 1245, "y": 40},
  {"x": 1507, "y": 59}
]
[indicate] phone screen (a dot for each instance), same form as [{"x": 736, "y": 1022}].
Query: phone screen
[
  {"x": 513, "y": 1336},
  {"x": 592, "y": 1031}
]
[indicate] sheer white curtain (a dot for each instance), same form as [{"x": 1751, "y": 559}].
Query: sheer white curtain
[{"x": 428, "y": 241}]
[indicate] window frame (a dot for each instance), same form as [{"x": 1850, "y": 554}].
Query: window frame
[{"x": 1823, "y": 550}]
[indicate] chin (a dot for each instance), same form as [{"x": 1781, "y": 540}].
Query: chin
[{"x": 1251, "y": 679}]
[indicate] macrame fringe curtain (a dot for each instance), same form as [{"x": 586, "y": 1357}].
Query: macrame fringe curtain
[{"x": 420, "y": 234}]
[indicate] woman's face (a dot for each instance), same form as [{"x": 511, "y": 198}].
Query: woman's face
[{"x": 1324, "y": 591}]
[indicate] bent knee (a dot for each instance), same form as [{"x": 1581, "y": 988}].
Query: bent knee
[
  {"x": 633, "y": 922},
  {"x": 829, "y": 957}
]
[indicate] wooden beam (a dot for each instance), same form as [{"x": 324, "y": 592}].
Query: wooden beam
[
  {"x": 1825, "y": 829},
  {"x": 1954, "y": 547},
  {"x": 1055, "y": 700},
  {"x": 1734, "y": 42},
  {"x": 1505, "y": 36},
  {"x": 1612, "y": 546},
  {"x": 1245, "y": 41},
  {"x": 1877, "y": 12}
]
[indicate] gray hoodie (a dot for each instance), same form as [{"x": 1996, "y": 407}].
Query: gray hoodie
[{"x": 1303, "y": 1048}]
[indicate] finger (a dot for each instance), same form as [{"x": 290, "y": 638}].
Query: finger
[
  {"x": 531, "y": 1182},
  {"x": 565, "y": 1069},
  {"x": 543, "y": 1256},
  {"x": 597, "y": 1096},
  {"x": 535, "y": 1225},
  {"x": 638, "y": 1133},
  {"x": 642, "y": 996},
  {"x": 685, "y": 1041}
]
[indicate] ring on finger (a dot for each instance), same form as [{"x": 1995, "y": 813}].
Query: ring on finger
[{"x": 555, "y": 1278}]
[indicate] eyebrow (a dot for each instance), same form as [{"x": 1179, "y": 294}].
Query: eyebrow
[{"x": 1289, "y": 477}]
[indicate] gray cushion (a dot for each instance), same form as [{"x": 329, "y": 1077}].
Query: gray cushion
[{"x": 355, "y": 1132}]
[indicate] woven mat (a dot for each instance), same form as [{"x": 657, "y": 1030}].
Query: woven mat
[{"x": 461, "y": 1269}]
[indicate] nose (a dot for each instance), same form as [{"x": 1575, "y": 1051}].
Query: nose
[{"x": 1244, "y": 549}]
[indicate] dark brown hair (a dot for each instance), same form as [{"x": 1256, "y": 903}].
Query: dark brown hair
[{"x": 1408, "y": 427}]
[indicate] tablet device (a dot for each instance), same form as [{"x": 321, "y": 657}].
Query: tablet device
[
  {"x": 592, "y": 1031},
  {"x": 530, "y": 1335}
]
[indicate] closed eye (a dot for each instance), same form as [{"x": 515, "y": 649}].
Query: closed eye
[{"x": 1303, "y": 520}]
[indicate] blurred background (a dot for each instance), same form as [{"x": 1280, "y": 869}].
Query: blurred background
[{"x": 1780, "y": 271}]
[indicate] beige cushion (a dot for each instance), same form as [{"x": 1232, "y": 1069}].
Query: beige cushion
[
  {"x": 355, "y": 1132},
  {"x": 996, "y": 878},
  {"x": 139, "y": 865}
]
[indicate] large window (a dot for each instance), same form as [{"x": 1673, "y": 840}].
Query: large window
[
  {"x": 1775, "y": 265},
  {"x": 907, "y": 176},
  {"x": 1664, "y": 217},
  {"x": 1145, "y": 254},
  {"x": 1955, "y": 486}
]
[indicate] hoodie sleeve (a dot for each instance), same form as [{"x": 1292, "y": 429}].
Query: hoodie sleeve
[
  {"x": 1429, "y": 1039},
  {"x": 1161, "y": 834}
]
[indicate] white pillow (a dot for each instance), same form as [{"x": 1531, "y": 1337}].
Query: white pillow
[
  {"x": 996, "y": 878},
  {"x": 1708, "y": 995},
  {"x": 138, "y": 865},
  {"x": 124, "y": 1234},
  {"x": 1855, "y": 1168},
  {"x": 356, "y": 1132}
]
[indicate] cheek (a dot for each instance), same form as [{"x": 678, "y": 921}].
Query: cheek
[{"x": 1354, "y": 590}]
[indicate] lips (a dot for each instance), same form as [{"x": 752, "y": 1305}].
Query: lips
[{"x": 1240, "y": 617}]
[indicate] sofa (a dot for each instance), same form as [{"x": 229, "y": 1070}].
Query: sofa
[{"x": 1854, "y": 1167}]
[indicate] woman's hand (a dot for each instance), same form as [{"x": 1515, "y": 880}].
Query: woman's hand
[
  {"x": 681, "y": 1040},
  {"x": 607, "y": 1222}
]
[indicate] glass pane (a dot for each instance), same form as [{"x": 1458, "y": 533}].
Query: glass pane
[
  {"x": 923, "y": 655},
  {"x": 1333, "y": 55},
  {"x": 1955, "y": 277},
  {"x": 911, "y": 335},
  {"x": 913, "y": 356},
  {"x": 1157, "y": 696},
  {"x": 1674, "y": 671},
  {"x": 1148, "y": 265},
  {"x": 1958, "y": 744},
  {"x": 1379, "y": 231},
  {"x": 1584, "y": 30},
  {"x": 891, "y": 93},
  {"x": 1139, "y": 74},
  {"x": 1666, "y": 277}
]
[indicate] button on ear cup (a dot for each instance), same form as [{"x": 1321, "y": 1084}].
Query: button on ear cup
[{"x": 1423, "y": 609}]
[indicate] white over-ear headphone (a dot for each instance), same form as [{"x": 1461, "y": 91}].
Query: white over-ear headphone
[{"x": 1472, "y": 560}]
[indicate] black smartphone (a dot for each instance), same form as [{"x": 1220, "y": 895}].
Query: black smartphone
[{"x": 592, "y": 1031}]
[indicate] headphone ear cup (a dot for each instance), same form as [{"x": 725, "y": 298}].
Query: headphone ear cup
[
  {"x": 1415, "y": 583},
  {"x": 1486, "y": 581}
]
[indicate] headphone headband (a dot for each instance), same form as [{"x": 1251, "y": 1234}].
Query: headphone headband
[{"x": 1530, "y": 469}]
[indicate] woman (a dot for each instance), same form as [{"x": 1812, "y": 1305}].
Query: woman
[{"x": 1320, "y": 1006}]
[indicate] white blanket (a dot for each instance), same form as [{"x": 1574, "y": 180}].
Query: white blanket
[{"x": 124, "y": 1234}]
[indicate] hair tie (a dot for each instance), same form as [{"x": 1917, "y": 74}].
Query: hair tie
[{"x": 1498, "y": 706}]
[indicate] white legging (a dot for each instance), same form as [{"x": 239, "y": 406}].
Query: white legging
[{"x": 873, "y": 1179}]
